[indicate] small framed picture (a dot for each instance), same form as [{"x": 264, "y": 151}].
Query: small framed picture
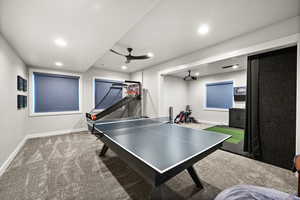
[
  {"x": 24, "y": 85},
  {"x": 19, "y": 83},
  {"x": 24, "y": 101},
  {"x": 19, "y": 101}
]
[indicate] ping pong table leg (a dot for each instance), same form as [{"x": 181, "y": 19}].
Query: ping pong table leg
[
  {"x": 103, "y": 150},
  {"x": 156, "y": 193},
  {"x": 195, "y": 177}
]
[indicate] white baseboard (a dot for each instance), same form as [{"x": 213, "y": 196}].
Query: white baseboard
[
  {"x": 213, "y": 123},
  {"x": 11, "y": 157}
]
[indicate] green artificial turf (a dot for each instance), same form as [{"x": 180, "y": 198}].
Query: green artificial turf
[{"x": 237, "y": 134}]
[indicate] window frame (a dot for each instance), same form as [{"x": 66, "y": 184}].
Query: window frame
[
  {"x": 205, "y": 96},
  {"x": 94, "y": 90},
  {"x": 32, "y": 112}
]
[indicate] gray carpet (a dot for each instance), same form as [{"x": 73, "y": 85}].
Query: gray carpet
[{"x": 67, "y": 168}]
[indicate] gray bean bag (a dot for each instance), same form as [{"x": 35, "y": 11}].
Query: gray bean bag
[{"x": 249, "y": 192}]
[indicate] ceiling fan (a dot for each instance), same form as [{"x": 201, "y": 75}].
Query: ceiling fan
[
  {"x": 189, "y": 77},
  {"x": 131, "y": 57}
]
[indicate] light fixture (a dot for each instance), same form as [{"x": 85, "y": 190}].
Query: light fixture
[
  {"x": 59, "y": 64},
  {"x": 235, "y": 66},
  {"x": 150, "y": 55},
  {"x": 60, "y": 42},
  {"x": 124, "y": 67},
  {"x": 203, "y": 29},
  {"x": 197, "y": 74}
]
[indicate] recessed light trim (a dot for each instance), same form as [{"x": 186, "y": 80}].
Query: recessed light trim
[
  {"x": 197, "y": 74},
  {"x": 203, "y": 29},
  {"x": 59, "y": 64},
  {"x": 60, "y": 42},
  {"x": 124, "y": 67}
]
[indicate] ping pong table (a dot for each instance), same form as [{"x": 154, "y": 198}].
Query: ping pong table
[{"x": 156, "y": 149}]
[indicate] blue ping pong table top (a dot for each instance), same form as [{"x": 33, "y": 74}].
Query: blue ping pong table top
[{"x": 158, "y": 144}]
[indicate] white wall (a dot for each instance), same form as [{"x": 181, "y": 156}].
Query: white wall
[
  {"x": 149, "y": 79},
  {"x": 174, "y": 93},
  {"x": 72, "y": 122},
  {"x": 12, "y": 120},
  {"x": 196, "y": 98}
]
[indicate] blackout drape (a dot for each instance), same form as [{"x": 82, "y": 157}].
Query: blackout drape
[
  {"x": 252, "y": 142},
  {"x": 270, "y": 131}
]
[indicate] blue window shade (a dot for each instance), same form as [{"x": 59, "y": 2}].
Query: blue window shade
[
  {"x": 55, "y": 93},
  {"x": 101, "y": 89},
  {"x": 219, "y": 95}
]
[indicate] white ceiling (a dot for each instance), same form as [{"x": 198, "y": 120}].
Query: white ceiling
[
  {"x": 170, "y": 29},
  {"x": 215, "y": 67},
  {"x": 90, "y": 27}
]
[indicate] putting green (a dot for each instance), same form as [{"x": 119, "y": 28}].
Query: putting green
[{"x": 237, "y": 134}]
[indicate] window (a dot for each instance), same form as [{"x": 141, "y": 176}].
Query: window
[
  {"x": 219, "y": 95},
  {"x": 102, "y": 87},
  {"x": 55, "y": 93}
]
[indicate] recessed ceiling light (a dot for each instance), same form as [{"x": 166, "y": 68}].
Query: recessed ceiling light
[
  {"x": 124, "y": 67},
  {"x": 203, "y": 29},
  {"x": 150, "y": 55},
  {"x": 235, "y": 66},
  {"x": 59, "y": 64},
  {"x": 197, "y": 74},
  {"x": 60, "y": 42}
]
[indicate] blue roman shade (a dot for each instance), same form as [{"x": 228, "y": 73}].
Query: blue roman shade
[
  {"x": 219, "y": 95},
  {"x": 55, "y": 93},
  {"x": 102, "y": 86}
]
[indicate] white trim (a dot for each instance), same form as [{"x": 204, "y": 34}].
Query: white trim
[
  {"x": 31, "y": 93},
  {"x": 94, "y": 87},
  {"x": 55, "y": 113},
  {"x": 215, "y": 109},
  {"x": 212, "y": 123},
  {"x": 12, "y": 156},
  {"x": 155, "y": 168}
]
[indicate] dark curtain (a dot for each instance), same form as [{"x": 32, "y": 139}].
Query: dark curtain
[
  {"x": 270, "y": 131},
  {"x": 252, "y": 142}
]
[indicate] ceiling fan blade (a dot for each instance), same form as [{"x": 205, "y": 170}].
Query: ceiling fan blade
[
  {"x": 117, "y": 52},
  {"x": 139, "y": 57}
]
